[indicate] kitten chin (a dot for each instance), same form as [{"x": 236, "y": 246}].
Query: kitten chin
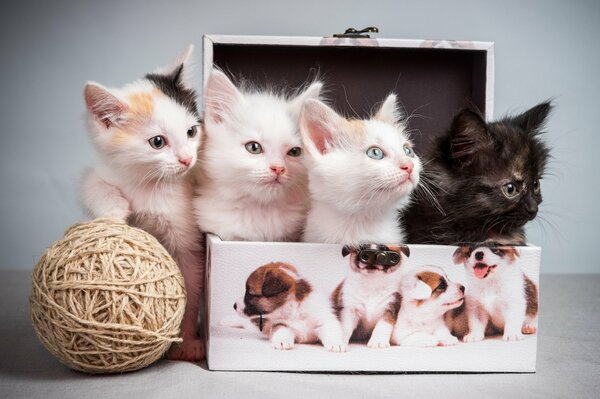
[{"x": 483, "y": 180}]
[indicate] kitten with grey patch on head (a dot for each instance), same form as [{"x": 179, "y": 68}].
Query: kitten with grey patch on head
[
  {"x": 147, "y": 136},
  {"x": 485, "y": 177},
  {"x": 253, "y": 180}
]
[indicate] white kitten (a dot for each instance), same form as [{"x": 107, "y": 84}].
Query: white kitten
[
  {"x": 147, "y": 135},
  {"x": 361, "y": 173},
  {"x": 253, "y": 180}
]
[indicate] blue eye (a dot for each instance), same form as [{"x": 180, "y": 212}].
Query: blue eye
[
  {"x": 253, "y": 147},
  {"x": 375, "y": 152},
  {"x": 157, "y": 142},
  {"x": 408, "y": 151}
]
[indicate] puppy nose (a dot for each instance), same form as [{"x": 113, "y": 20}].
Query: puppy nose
[
  {"x": 407, "y": 166},
  {"x": 279, "y": 170},
  {"x": 185, "y": 161},
  {"x": 479, "y": 255},
  {"x": 461, "y": 288},
  {"x": 235, "y": 306}
]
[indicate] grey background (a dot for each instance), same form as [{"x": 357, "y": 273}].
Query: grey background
[{"x": 50, "y": 49}]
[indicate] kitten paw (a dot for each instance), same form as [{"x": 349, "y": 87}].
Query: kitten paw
[
  {"x": 529, "y": 329},
  {"x": 512, "y": 336},
  {"x": 473, "y": 337},
  {"x": 283, "y": 339},
  {"x": 191, "y": 350}
]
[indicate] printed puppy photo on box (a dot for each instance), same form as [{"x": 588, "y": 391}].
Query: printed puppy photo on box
[{"x": 372, "y": 307}]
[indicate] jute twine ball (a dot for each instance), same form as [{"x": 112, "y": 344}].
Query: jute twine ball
[{"x": 107, "y": 298}]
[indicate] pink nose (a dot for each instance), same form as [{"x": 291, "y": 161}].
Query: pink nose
[
  {"x": 407, "y": 166},
  {"x": 279, "y": 170},
  {"x": 185, "y": 161}
]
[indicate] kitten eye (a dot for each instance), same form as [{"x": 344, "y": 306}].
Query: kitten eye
[
  {"x": 536, "y": 186},
  {"x": 409, "y": 151},
  {"x": 295, "y": 152},
  {"x": 253, "y": 147},
  {"x": 192, "y": 131},
  {"x": 375, "y": 153},
  {"x": 158, "y": 142},
  {"x": 510, "y": 190}
]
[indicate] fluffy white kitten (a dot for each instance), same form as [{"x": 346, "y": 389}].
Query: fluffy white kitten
[
  {"x": 147, "y": 135},
  {"x": 253, "y": 180},
  {"x": 361, "y": 173}
]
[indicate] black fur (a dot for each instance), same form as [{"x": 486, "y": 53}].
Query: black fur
[
  {"x": 467, "y": 169},
  {"x": 172, "y": 86}
]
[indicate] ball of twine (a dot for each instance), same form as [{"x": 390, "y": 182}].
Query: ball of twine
[{"x": 107, "y": 298}]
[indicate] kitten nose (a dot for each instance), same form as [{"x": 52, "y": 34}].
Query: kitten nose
[
  {"x": 479, "y": 255},
  {"x": 185, "y": 161},
  {"x": 531, "y": 206},
  {"x": 279, "y": 170},
  {"x": 407, "y": 166}
]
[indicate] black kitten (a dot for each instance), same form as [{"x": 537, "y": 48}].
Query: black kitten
[{"x": 486, "y": 179}]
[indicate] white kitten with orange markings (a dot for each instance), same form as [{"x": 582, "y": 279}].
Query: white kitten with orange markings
[
  {"x": 147, "y": 136},
  {"x": 361, "y": 172},
  {"x": 253, "y": 180}
]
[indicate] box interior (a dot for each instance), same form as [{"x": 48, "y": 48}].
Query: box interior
[{"x": 432, "y": 84}]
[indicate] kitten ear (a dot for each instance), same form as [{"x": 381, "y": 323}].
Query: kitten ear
[
  {"x": 104, "y": 105},
  {"x": 468, "y": 135},
  {"x": 312, "y": 92},
  {"x": 180, "y": 69},
  {"x": 388, "y": 111},
  {"x": 219, "y": 96},
  {"x": 318, "y": 126},
  {"x": 532, "y": 120}
]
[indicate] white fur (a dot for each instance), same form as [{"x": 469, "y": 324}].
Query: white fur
[
  {"x": 499, "y": 298},
  {"x": 354, "y": 198},
  {"x": 131, "y": 176},
  {"x": 365, "y": 297},
  {"x": 241, "y": 197},
  {"x": 421, "y": 317},
  {"x": 306, "y": 321}
]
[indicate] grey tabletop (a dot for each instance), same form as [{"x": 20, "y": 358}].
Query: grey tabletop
[{"x": 568, "y": 362}]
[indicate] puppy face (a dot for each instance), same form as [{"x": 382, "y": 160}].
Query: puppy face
[
  {"x": 482, "y": 261},
  {"x": 374, "y": 258},
  {"x": 432, "y": 291},
  {"x": 269, "y": 287}
]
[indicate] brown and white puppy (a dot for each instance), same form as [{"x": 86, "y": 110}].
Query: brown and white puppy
[
  {"x": 286, "y": 309},
  {"x": 427, "y": 294},
  {"x": 367, "y": 301},
  {"x": 498, "y": 293}
]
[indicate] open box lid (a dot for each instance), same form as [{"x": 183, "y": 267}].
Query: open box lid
[{"x": 433, "y": 79}]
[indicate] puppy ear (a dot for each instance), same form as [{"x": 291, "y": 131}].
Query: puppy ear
[
  {"x": 420, "y": 291},
  {"x": 347, "y": 250},
  {"x": 512, "y": 253},
  {"x": 461, "y": 254},
  {"x": 405, "y": 250},
  {"x": 273, "y": 285}
]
